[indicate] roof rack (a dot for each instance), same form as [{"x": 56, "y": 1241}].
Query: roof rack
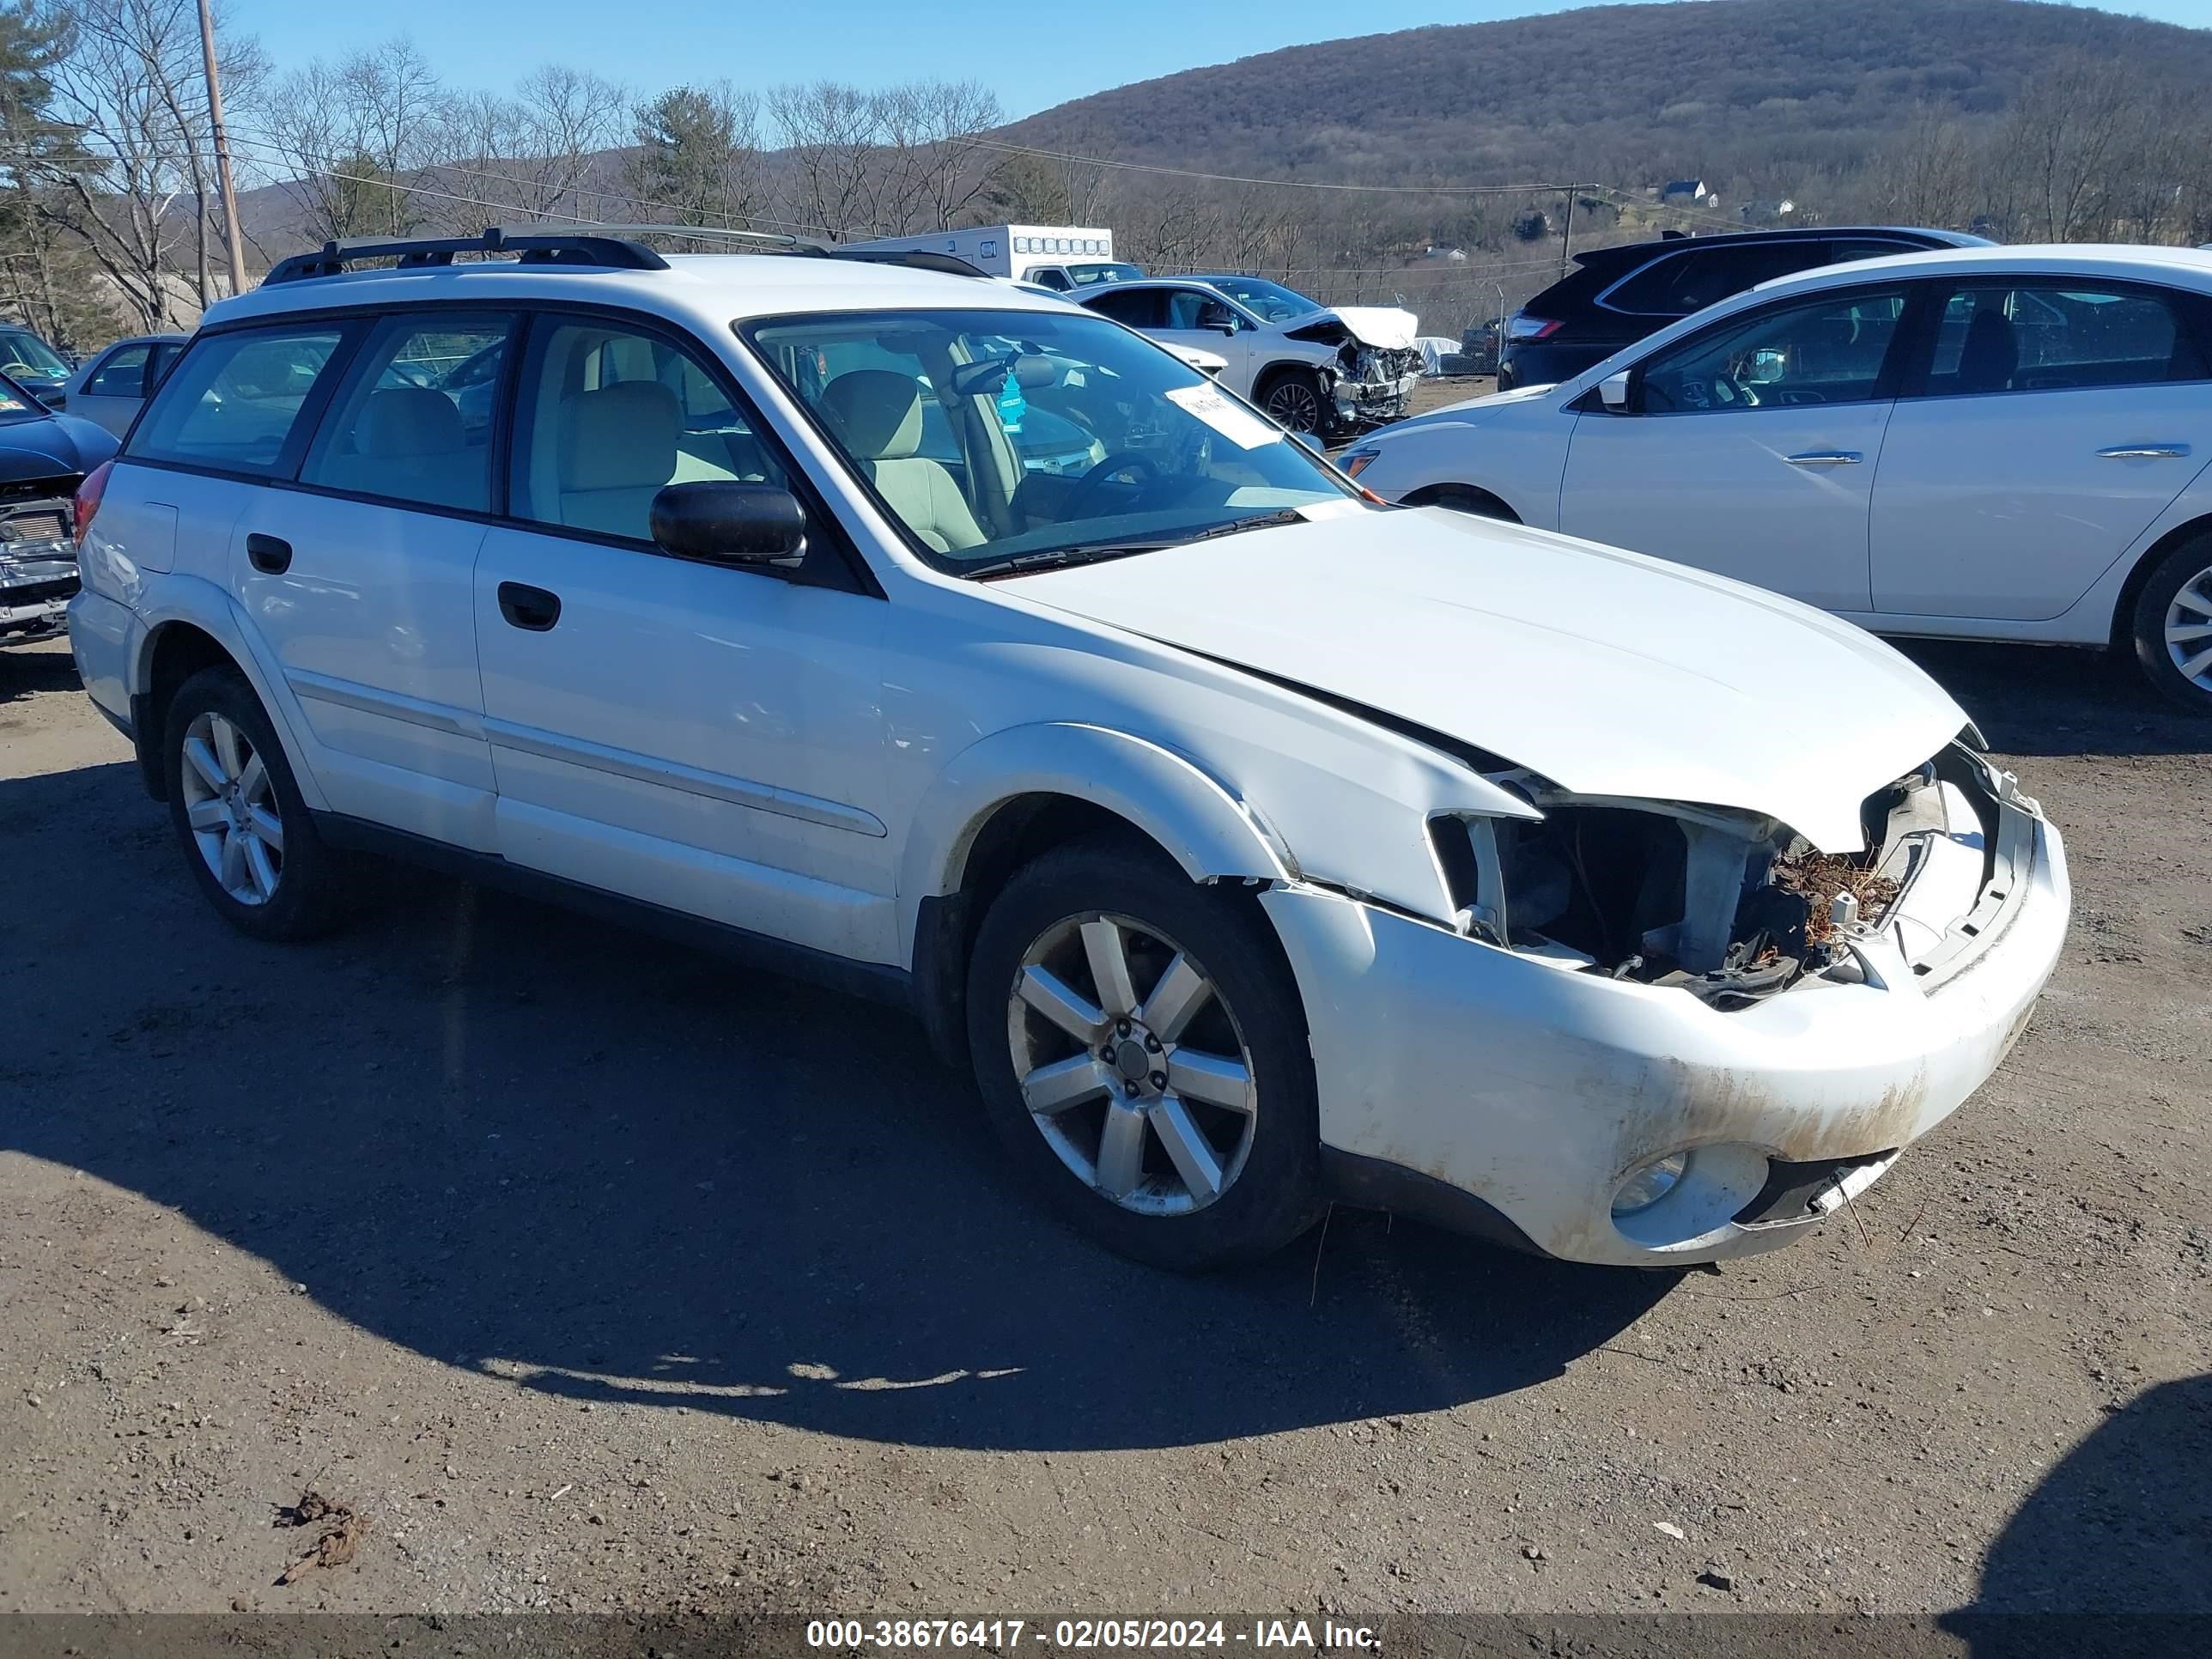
[
  {"x": 532, "y": 246},
  {"x": 603, "y": 246}
]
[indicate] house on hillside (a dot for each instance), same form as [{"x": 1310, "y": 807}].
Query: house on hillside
[
  {"x": 1437, "y": 253},
  {"x": 1686, "y": 192},
  {"x": 1771, "y": 211}
]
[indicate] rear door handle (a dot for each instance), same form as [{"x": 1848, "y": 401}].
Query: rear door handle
[
  {"x": 528, "y": 607},
  {"x": 1825, "y": 457},
  {"x": 2144, "y": 452},
  {"x": 271, "y": 555}
]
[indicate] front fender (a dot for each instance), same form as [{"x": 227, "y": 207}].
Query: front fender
[{"x": 1204, "y": 825}]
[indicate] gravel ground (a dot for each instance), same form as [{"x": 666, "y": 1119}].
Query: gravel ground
[{"x": 591, "y": 1273}]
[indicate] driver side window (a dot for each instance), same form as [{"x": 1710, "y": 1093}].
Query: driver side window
[
  {"x": 1829, "y": 349},
  {"x": 1193, "y": 308}
]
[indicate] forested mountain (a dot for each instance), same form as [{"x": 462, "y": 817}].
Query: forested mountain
[{"x": 1753, "y": 95}]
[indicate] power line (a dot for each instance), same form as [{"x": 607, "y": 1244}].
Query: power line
[{"x": 1285, "y": 184}]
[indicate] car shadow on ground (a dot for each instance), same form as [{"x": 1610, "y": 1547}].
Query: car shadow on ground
[
  {"x": 2046, "y": 700},
  {"x": 2111, "y": 1553},
  {"x": 25, "y": 672},
  {"x": 613, "y": 1169}
]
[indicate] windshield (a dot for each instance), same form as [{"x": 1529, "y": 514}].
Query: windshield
[
  {"x": 1275, "y": 303},
  {"x": 26, "y": 354},
  {"x": 1113, "y": 446}
]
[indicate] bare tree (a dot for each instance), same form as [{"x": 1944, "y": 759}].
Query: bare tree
[
  {"x": 831, "y": 133},
  {"x": 930, "y": 135},
  {"x": 2061, "y": 145},
  {"x": 130, "y": 81}
]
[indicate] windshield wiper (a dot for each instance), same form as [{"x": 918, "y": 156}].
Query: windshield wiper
[{"x": 1098, "y": 552}]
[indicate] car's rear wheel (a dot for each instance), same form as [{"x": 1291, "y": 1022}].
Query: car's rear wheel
[
  {"x": 1293, "y": 398},
  {"x": 238, "y": 813},
  {"x": 2173, "y": 626},
  {"x": 1139, "y": 1045}
]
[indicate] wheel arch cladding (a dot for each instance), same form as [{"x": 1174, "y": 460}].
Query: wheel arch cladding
[
  {"x": 174, "y": 651},
  {"x": 1013, "y": 794}
]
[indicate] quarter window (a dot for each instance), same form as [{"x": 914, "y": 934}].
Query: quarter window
[
  {"x": 1826, "y": 350},
  {"x": 413, "y": 422},
  {"x": 2056, "y": 336},
  {"x": 610, "y": 414},
  {"x": 232, "y": 402},
  {"x": 1676, "y": 285}
]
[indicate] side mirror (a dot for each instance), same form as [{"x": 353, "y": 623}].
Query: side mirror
[
  {"x": 739, "y": 524},
  {"x": 1216, "y": 316},
  {"x": 1312, "y": 441},
  {"x": 1612, "y": 390}
]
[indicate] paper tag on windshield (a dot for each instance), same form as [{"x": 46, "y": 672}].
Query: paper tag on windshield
[{"x": 1232, "y": 421}]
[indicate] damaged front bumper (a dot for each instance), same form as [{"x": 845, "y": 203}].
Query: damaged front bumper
[
  {"x": 37, "y": 581},
  {"x": 1374, "y": 386},
  {"x": 1501, "y": 1093}
]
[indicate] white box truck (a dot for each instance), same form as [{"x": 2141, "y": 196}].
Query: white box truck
[{"x": 1060, "y": 256}]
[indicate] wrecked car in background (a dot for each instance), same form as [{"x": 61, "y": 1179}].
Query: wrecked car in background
[
  {"x": 44, "y": 457},
  {"x": 1331, "y": 372}
]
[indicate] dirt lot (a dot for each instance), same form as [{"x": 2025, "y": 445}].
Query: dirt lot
[{"x": 591, "y": 1273}]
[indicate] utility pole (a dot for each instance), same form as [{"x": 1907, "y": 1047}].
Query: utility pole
[
  {"x": 231, "y": 236},
  {"x": 1566, "y": 222}
]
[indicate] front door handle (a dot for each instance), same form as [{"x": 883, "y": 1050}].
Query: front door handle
[
  {"x": 1825, "y": 457},
  {"x": 528, "y": 607},
  {"x": 269, "y": 555},
  {"x": 2144, "y": 452}
]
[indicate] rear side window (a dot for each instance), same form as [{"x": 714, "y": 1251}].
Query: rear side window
[
  {"x": 413, "y": 422},
  {"x": 232, "y": 402},
  {"x": 1138, "y": 307},
  {"x": 2057, "y": 336},
  {"x": 1676, "y": 285},
  {"x": 122, "y": 375}
]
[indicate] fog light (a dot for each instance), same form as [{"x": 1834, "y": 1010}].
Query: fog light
[{"x": 1647, "y": 1184}]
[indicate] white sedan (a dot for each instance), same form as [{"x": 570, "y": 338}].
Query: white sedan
[{"x": 2001, "y": 443}]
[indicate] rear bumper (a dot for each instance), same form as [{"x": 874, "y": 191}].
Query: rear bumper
[{"x": 1490, "y": 1084}]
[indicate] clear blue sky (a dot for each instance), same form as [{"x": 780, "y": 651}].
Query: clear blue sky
[{"x": 1033, "y": 53}]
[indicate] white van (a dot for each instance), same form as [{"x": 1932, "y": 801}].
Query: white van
[{"x": 1058, "y": 256}]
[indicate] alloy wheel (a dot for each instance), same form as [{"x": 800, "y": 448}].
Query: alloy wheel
[
  {"x": 1294, "y": 403},
  {"x": 1131, "y": 1065},
  {"x": 2188, "y": 631},
  {"x": 230, "y": 805}
]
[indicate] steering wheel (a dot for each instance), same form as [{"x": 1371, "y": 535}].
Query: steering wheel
[{"x": 1099, "y": 476}]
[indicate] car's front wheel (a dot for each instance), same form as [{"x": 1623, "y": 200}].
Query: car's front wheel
[
  {"x": 1139, "y": 1044},
  {"x": 2173, "y": 626},
  {"x": 239, "y": 816},
  {"x": 1294, "y": 398}
]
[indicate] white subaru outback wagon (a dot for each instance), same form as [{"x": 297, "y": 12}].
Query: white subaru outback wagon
[{"x": 1256, "y": 843}]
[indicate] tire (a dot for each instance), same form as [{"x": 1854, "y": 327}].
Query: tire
[
  {"x": 1293, "y": 398},
  {"x": 2177, "y": 598},
  {"x": 282, "y": 881},
  {"x": 1262, "y": 1155}
]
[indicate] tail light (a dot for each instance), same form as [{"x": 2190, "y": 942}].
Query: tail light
[
  {"x": 1356, "y": 463},
  {"x": 1525, "y": 327},
  {"x": 86, "y": 501}
]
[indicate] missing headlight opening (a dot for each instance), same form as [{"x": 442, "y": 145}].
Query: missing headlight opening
[{"x": 1729, "y": 906}]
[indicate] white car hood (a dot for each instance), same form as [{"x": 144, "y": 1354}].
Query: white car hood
[
  {"x": 1609, "y": 672},
  {"x": 1376, "y": 326}
]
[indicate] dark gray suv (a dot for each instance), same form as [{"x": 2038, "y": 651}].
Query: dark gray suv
[{"x": 1617, "y": 295}]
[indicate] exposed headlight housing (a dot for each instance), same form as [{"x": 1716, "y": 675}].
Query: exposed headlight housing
[{"x": 1649, "y": 1183}]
